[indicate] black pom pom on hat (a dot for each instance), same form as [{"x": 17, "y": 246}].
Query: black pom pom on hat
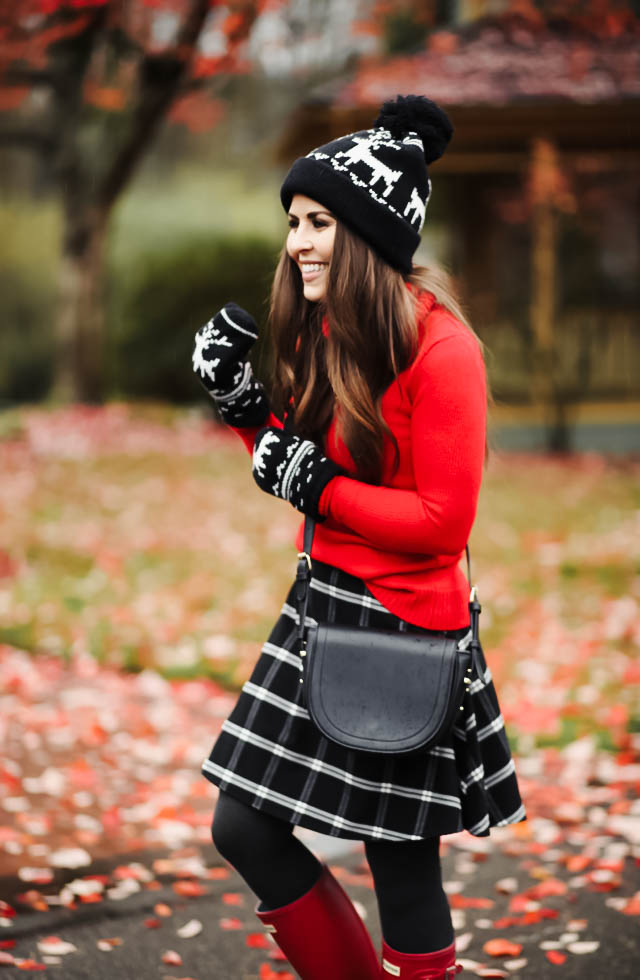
[{"x": 417, "y": 114}]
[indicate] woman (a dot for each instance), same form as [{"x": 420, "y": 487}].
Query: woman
[{"x": 382, "y": 390}]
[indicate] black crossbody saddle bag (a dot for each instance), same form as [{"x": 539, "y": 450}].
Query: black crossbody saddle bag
[{"x": 378, "y": 690}]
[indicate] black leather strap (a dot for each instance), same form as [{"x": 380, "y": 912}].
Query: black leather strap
[{"x": 303, "y": 582}]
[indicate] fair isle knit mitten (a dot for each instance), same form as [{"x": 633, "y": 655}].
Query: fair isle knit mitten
[
  {"x": 219, "y": 361},
  {"x": 292, "y": 468}
]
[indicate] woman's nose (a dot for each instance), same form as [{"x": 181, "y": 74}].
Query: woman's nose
[{"x": 302, "y": 238}]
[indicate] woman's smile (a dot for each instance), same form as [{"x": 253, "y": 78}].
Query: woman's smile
[{"x": 311, "y": 270}]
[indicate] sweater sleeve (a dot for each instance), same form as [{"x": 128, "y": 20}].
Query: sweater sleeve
[
  {"x": 248, "y": 435},
  {"x": 448, "y": 419}
]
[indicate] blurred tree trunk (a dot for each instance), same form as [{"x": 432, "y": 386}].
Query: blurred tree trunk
[
  {"x": 80, "y": 317},
  {"x": 546, "y": 388}
]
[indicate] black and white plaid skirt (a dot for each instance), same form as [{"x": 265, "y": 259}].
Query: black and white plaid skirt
[{"x": 271, "y": 755}]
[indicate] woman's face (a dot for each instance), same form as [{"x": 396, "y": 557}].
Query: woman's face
[{"x": 312, "y": 230}]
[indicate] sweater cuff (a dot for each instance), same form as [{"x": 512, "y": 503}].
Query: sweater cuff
[{"x": 324, "y": 504}]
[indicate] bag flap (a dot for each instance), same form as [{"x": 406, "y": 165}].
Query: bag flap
[{"x": 384, "y": 691}]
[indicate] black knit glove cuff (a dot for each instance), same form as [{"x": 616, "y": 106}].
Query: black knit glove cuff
[
  {"x": 292, "y": 468},
  {"x": 245, "y": 403}
]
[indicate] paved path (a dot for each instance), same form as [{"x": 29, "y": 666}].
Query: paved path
[{"x": 219, "y": 953}]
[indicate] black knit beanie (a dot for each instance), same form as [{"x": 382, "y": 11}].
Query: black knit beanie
[{"x": 376, "y": 180}]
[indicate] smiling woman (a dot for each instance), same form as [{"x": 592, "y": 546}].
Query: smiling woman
[{"x": 375, "y": 429}]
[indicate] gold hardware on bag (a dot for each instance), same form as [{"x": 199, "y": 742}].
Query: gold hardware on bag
[
  {"x": 303, "y": 554},
  {"x": 474, "y": 592}
]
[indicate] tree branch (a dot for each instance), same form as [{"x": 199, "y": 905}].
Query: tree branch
[{"x": 160, "y": 78}]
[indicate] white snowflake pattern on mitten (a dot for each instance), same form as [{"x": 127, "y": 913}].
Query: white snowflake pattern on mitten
[
  {"x": 219, "y": 361},
  {"x": 262, "y": 450}
]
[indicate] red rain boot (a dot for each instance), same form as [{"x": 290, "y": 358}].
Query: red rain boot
[
  {"x": 439, "y": 965},
  {"x": 322, "y": 935}
]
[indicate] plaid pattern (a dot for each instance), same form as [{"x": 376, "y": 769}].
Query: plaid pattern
[{"x": 271, "y": 755}]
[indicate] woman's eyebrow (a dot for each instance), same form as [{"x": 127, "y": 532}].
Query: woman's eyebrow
[{"x": 311, "y": 214}]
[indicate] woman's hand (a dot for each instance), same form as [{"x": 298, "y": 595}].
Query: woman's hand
[
  {"x": 292, "y": 468},
  {"x": 219, "y": 361}
]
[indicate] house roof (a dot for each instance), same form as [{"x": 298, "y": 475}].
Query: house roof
[
  {"x": 503, "y": 81},
  {"x": 502, "y": 61}
]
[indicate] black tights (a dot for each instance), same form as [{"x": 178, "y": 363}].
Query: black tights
[{"x": 414, "y": 911}]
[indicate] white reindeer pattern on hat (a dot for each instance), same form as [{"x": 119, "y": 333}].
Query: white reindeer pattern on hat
[
  {"x": 418, "y": 206},
  {"x": 362, "y": 152}
]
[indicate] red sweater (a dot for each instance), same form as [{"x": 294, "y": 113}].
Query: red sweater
[{"x": 405, "y": 538}]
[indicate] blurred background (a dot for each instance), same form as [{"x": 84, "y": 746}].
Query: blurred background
[{"x": 142, "y": 146}]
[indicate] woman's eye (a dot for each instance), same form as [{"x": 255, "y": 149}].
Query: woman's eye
[{"x": 319, "y": 224}]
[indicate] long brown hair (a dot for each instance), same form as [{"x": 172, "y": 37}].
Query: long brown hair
[{"x": 373, "y": 337}]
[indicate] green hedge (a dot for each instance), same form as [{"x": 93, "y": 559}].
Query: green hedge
[
  {"x": 154, "y": 307},
  {"x": 157, "y": 305},
  {"x": 27, "y": 310}
]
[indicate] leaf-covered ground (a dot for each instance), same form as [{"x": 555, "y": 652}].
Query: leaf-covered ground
[
  {"x": 139, "y": 538},
  {"x": 136, "y": 539}
]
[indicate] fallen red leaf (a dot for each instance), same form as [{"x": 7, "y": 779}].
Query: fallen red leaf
[
  {"x": 188, "y": 888},
  {"x": 555, "y": 956},
  {"x": 577, "y": 862},
  {"x": 90, "y": 899},
  {"x": 633, "y": 905},
  {"x": 277, "y": 954},
  {"x": 550, "y": 886},
  {"x": 257, "y": 940},
  {"x": 268, "y": 973},
  {"x": 232, "y": 898},
  {"x": 152, "y": 923},
  {"x": 467, "y": 902},
  {"x": 30, "y": 965},
  {"x": 502, "y": 947},
  {"x": 230, "y": 924},
  {"x": 218, "y": 874},
  {"x": 506, "y": 921},
  {"x": 171, "y": 958}
]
